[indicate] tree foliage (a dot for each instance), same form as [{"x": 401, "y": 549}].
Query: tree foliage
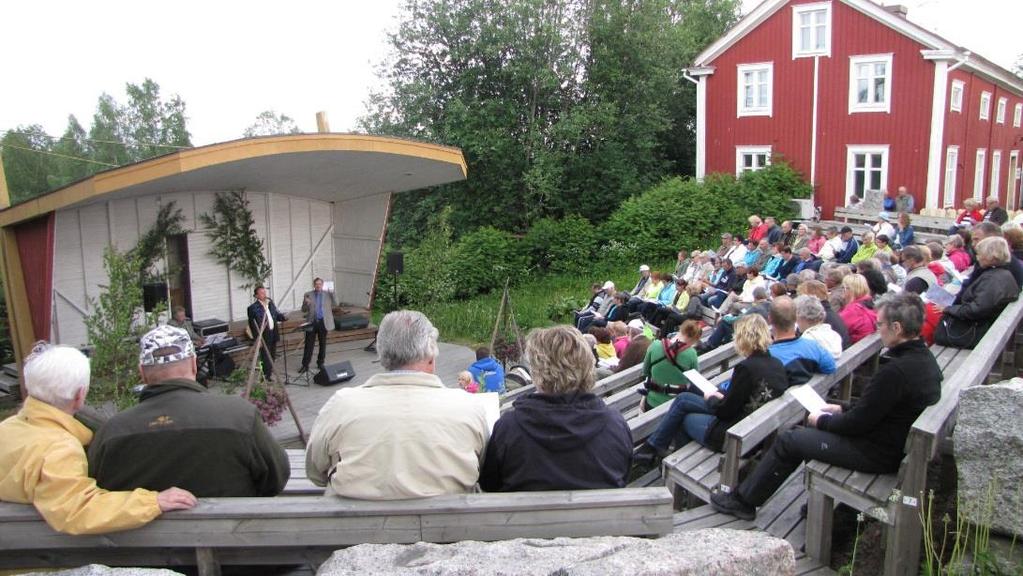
[
  {"x": 146, "y": 125},
  {"x": 560, "y": 106},
  {"x": 269, "y": 123},
  {"x": 151, "y": 245},
  {"x": 235, "y": 243}
]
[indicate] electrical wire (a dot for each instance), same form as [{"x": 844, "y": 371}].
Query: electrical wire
[
  {"x": 59, "y": 155},
  {"x": 116, "y": 142}
]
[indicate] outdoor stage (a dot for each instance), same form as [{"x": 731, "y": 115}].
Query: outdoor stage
[{"x": 307, "y": 401}]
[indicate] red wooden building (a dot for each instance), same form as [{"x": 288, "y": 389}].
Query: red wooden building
[{"x": 858, "y": 98}]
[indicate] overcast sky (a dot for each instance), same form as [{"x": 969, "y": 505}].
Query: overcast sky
[{"x": 231, "y": 60}]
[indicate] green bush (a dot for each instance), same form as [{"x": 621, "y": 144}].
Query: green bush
[
  {"x": 428, "y": 275},
  {"x": 483, "y": 259},
  {"x": 564, "y": 245}
]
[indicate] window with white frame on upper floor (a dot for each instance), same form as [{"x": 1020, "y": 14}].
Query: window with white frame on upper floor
[
  {"x": 755, "y": 83},
  {"x": 955, "y": 100},
  {"x": 985, "y": 105},
  {"x": 866, "y": 170},
  {"x": 1003, "y": 103},
  {"x": 811, "y": 29},
  {"x": 978, "y": 174},
  {"x": 1017, "y": 115},
  {"x": 751, "y": 158},
  {"x": 996, "y": 172},
  {"x": 870, "y": 83},
  {"x": 951, "y": 174}
]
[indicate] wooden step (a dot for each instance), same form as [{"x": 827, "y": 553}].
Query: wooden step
[
  {"x": 11, "y": 370},
  {"x": 9, "y": 384}
]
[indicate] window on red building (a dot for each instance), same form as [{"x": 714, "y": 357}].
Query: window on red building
[
  {"x": 870, "y": 83},
  {"x": 811, "y": 29}
]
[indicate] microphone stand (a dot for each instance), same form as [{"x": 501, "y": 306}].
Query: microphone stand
[{"x": 299, "y": 380}]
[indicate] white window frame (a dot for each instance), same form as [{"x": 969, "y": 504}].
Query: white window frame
[
  {"x": 951, "y": 174},
  {"x": 1014, "y": 175},
  {"x": 850, "y": 165},
  {"x": 979, "y": 167},
  {"x": 996, "y": 171},
  {"x": 1017, "y": 115},
  {"x": 854, "y": 104},
  {"x": 955, "y": 99},
  {"x": 798, "y": 11},
  {"x": 740, "y": 151},
  {"x": 740, "y": 105},
  {"x": 985, "y": 105},
  {"x": 1003, "y": 104}
]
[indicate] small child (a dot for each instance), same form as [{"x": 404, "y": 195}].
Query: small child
[{"x": 465, "y": 382}]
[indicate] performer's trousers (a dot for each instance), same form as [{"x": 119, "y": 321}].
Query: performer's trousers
[
  {"x": 270, "y": 338},
  {"x": 317, "y": 331}
]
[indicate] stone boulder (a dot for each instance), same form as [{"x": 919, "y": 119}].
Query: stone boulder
[
  {"x": 989, "y": 455},
  {"x": 713, "y": 551},
  {"x": 101, "y": 570}
]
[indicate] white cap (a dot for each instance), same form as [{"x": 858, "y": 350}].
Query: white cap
[
  {"x": 636, "y": 323},
  {"x": 608, "y": 285},
  {"x": 644, "y": 268}
]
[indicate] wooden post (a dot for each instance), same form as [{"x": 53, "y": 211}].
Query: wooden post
[
  {"x": 819, "y": 517},
  {"x": 206, "y": 562},
  {"x": 5, "y": 195},
  {"x": 322, "y": 125},
  {"x": 259, "y": 344}
]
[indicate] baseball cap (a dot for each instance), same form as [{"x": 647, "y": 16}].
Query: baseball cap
[
  {"x": 608, "y": 285},
  {"x": 163, "y": 345},
  {"x": 644, "y": 268},
  {"x": 636, "y": 323}
]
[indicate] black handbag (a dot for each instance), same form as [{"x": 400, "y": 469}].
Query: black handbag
[{"x": 957, "y": 333}]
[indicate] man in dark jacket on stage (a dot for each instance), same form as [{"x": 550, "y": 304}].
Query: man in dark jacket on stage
[
  {"x": 260, "y": 311},
  {"x": 181, "y": 435},
  {"x": 869, "y": 436}
]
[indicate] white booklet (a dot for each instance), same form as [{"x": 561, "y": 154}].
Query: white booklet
[
  {"x": 491, "y": 402},
  {"x": 939, "y": 296},
  {"x": 809, "y": 398},
  {"x": 699, "y": 381}
]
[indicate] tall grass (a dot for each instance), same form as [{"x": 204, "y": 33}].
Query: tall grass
[{"x": 535, "y": 301}]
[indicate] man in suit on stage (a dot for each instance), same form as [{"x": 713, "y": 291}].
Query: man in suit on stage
[
  {"x": 264, "y": 308},
  {"x": 318, "y": 307}
]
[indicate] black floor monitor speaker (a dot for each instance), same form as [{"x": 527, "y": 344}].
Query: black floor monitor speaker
[
  {"x": 396, "y": 263},
  {"x": 335, "y": 374}
]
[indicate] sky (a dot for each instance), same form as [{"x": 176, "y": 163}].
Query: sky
[{"x": 231, "y": 60}]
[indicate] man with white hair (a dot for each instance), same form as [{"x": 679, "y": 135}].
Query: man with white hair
[
  {"x": 402, "y": 434},
  {"x": 181, "y": 435},
  {"x": 810, "y": 317},
  {"x": 42, "y": 454}
]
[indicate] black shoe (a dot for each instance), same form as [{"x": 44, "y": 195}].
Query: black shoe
[
  {"x": 730, "y": 504},
  {"x": 303, "y": 369},
  {"x": 648, "y": 455},
  {"x": 320, "y": 366}
]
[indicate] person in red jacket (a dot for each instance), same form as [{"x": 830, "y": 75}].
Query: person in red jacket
[{"x": 858, "y": 314}]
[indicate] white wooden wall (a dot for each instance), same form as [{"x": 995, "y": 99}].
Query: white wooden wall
[
  {"x": 359, "y": 225},
  {"x": 290, "y": 227}
]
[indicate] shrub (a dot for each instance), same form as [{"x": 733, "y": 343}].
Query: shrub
[
  {"x": 564, "y": 245},
  {"x": 483, "y": 259},
  {"x": 427, "y": 277}
]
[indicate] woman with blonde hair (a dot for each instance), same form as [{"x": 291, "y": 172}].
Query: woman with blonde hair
[
  {"x": 706, "y": 417},
  {"x": 560, "y": 437},
  {"x": 989, "y": 290},
  {"x": 858, "y": 313}
]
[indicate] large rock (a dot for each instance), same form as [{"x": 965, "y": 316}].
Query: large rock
[
  {"x": 101, "y": 570},
  {"x": 989, "y": 455},
  {"x": 714, "y": 551}
]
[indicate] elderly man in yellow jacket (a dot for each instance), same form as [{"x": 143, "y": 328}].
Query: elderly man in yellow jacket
[{"x": 42, "y": 455}]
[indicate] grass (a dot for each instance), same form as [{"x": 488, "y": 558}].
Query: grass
[{"x": 539, "y": 301}]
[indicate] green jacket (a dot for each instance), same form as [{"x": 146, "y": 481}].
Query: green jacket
[
  {"x": 658, "y": 368},
  {"x": 181, "y": 435}
]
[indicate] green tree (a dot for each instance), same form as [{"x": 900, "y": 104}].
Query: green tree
[
  {"x": 269, "y": 123},
  {"x": 27, "y": 163}
]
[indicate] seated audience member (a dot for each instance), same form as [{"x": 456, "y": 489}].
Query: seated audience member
[
  {"x": 229, "y": 451},
  {"x": 402, "y": 434},
  {"x": 757, "y": 228},
  {"x": 181, "y": 321},
  {"x": 904, "y": 233},
  {"x": 788, "y": 263},
  {"x": 665, "y": 361},
  {"x": 877, "y": 284},
  {"x": 817, "y": 240},
  {"x": 678, "y": 302},
  {"x": 634, "y": 352},
  {"x": 854, "y": 202},
  {"x": 904, "y": 202},
  {"x": 42, "y": 454},
  {"x": 770, "y": 269},
  {"x": 649, "y": 294},
  {"x": 968, "y": 217},
  {"x": 818, "y": 290},
  {"x": 883, "y": 225},
  {"x": 745, "y": 296},
  {"x": 726, "y": 245},
  {"x": 792, "y": 282},
  {"x": 801, "y": 357},
  {"x": 619, "y": 337},
  {"x": 858, "y": 315},
  {"x": 956, "y": 252},
  {"x": 467, "y": 382},
  {"x": 884, "y": 247},
  {"x": 788, "y": 234},
  {"x": 599, "y": 306},
  {"x": 618, "y": 312},
  {"x": 722, "y": 333},
  {"x": 706, "y": 417},
  {"x": 764, "y": 248},
  {"x": 850, "y": 246},
  {"x": 606, "y": 353},
  {"x": 919, "y": 278},
  {"x": 774, "y": 232},
  {"x": 737, "y": 254},
  {"x": 560, "y": 437},
  {"x": 985, "y": 294},
  {"x": 778, "y": 289},
  {"x": 896, "y": 269},
  {"x": 487, "y": 371},
  {"x": 989, "y": 230},
  {"x": 942, "y": 268},
  {"x": 810, "y": 319},
  {"x": 682, "y": 263},
  {"x": 644, "y": 278},
  {"x": 722, "y": 285},
  {"x": 995, "y": 213},
  {"x": 664, "y": 298},
  {"x": 807, "y": 261},
  {"x": 1014, "y": 236},
  {"x": 801, "y": 239},
  {"x": 868, "y": 437},
  {"x": 675, "y": 317},
  {"x": 888, "y": 204},
  {"x": 753, "y": 254},
  {"x": 866, "y": 250}
]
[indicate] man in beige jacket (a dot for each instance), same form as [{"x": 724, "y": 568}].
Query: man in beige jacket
[{"x": 402, "y": 434}]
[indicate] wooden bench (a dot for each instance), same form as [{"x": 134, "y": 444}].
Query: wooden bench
[
  {"x": 693, "y": 471},
  {"x": 919, "y": 237},
  {"x": 921, "y": 222},
  {"x": 896, "y": 499},
  {"x": 288, "y": 530}
]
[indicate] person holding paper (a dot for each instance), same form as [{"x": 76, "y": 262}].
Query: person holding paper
[
  {"x": 867, "y": 437},
  {"x": 561, "y": 437},
  {"x": 403, "y": 434},
  {"x": 705, "y": 418}
]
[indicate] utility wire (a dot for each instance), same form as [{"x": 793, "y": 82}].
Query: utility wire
[
  {"x": 125, "y": 144},
  {"x": 59, "y": 155}
]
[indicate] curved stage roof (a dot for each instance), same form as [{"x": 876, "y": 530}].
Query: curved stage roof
[{"x": 328, "y": 167}]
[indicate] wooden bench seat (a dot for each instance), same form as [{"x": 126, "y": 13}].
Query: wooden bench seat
[
  {"x": 693, "y": 471},
  {"x": 919, "y": 236},
  {"x": 922, "y": 223},
  {"x": 289, "y": 528},
  {"x": 896, "y": 499}
]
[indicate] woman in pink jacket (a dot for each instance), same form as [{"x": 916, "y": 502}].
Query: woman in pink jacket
[
  {"x": 859, "y": 317},
  {"x": 956, "y": 251}
]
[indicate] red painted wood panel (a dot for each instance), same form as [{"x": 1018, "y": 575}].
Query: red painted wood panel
[{"x": 35, "y": 248}]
